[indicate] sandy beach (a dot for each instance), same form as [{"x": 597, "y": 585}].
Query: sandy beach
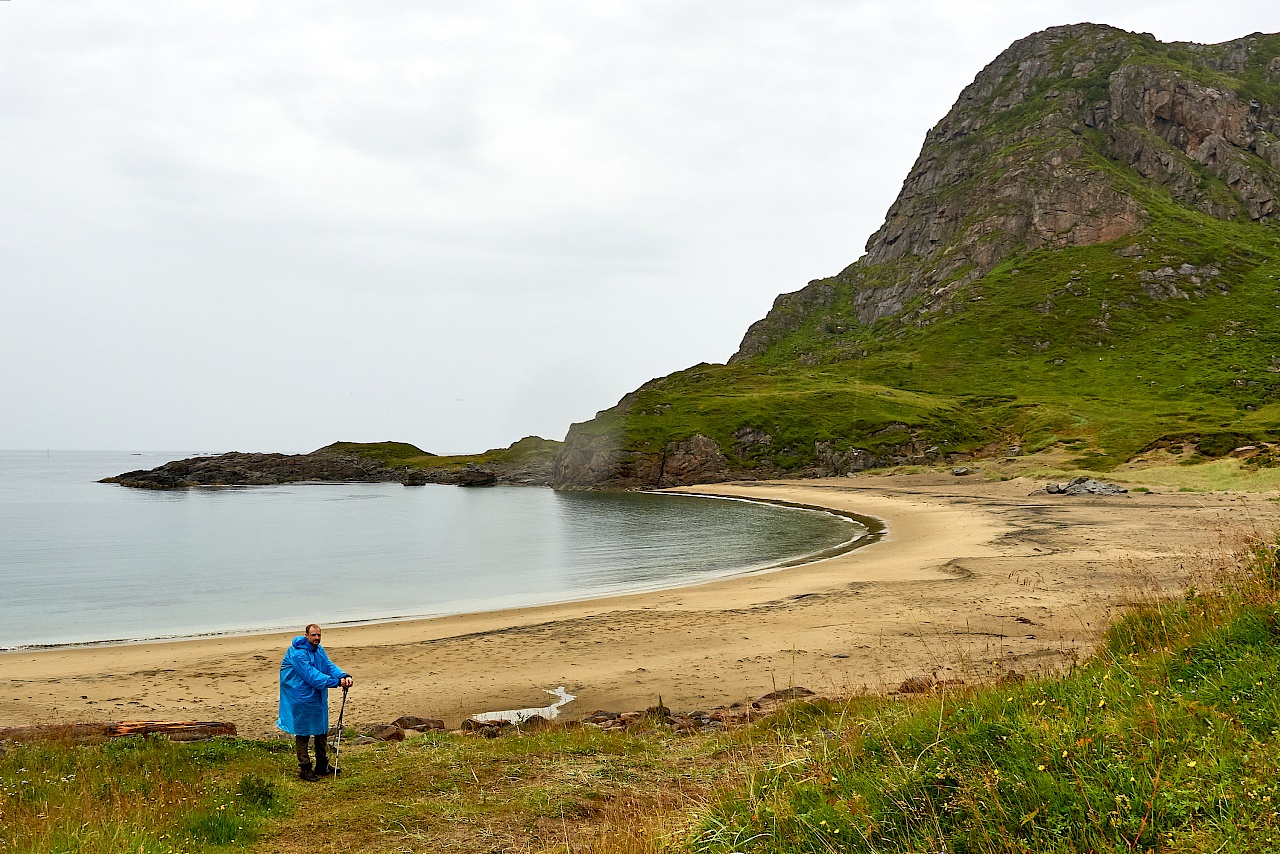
[{"x": 972, "y": 580}]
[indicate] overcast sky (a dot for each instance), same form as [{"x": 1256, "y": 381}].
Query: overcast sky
[{"x": 271, "y": 225}]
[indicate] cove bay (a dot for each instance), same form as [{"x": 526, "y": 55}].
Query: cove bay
[{"x": 84, "y": 562}]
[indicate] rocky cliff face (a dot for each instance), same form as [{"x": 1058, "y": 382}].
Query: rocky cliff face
[
  {"x": 1042, "y": 149},
  {"x": 589, "y": 461}
]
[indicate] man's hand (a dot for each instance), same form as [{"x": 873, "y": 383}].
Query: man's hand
[{"x": 346, "y": 682}]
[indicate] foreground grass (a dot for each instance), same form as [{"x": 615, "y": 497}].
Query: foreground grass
[
  {"x": 138, "y": 795},
  {"x": 575, "y": 789},
  {"x": 1167, "y": 740},
  {"x": 563, "y": 789}
]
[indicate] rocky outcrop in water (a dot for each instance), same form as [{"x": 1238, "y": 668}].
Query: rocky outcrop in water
[
  {"x": 241, "y": 469},
  {"x": 337, "y": 464}
]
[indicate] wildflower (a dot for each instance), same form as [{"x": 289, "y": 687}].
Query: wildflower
[
  {"x": 1191, "y": 764},
  {"x": 1039, "y": 767}
]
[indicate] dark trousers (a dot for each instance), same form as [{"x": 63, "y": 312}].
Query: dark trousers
[{"x": 322, "y": 747}]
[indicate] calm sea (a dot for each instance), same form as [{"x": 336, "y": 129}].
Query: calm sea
[{"x": 82, "y": 561}]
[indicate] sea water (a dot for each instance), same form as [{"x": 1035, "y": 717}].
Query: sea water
[{"x": 84, "y": 562}]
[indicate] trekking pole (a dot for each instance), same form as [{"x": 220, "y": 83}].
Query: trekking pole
[{"x": 337, "y": 750}]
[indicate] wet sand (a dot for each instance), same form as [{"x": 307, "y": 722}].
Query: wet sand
[{"x": 973, "y": 579}]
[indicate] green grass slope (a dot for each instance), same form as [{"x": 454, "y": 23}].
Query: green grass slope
[{"x": 530, "y": 449}]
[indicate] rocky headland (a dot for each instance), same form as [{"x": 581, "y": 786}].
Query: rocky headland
[
  {"x": 527, "y": 462},
  {"x": 247, "y": 469}
]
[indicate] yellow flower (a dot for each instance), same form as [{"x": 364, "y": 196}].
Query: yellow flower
[{"x": 1039, "y": 767}]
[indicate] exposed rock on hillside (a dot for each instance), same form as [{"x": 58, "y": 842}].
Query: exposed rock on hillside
[
  {"x": 1085, "y": 486},
  {"x": 593, "y": 458},
  {"x": 589, "y": 460}
]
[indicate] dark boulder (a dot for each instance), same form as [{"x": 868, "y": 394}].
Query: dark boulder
[
  {"x": 1085, "y": 486},
  {"x": 386, "y": 732},
  {"x": 474, "y": 475},
  {"x": 416, "y": 723}
]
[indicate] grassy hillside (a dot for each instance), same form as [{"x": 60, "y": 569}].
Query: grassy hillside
[
  {"x": 385, "y": 453},
  {"x": 530, "y": 449},
  {"x": 991, "y": 333},
  {"x": 395, "y": 454},
  {"x": 1053, "y": 346}
]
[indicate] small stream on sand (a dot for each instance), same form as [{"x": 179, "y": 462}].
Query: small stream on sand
[{"x": 517, "y": 716}]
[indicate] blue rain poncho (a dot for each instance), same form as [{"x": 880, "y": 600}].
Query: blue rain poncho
[{"x": 306, "y": 675}]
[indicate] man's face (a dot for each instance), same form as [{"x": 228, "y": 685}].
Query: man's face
[{"x": 313, "y": 635}]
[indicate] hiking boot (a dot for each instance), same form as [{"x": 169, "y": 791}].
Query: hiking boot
[
  {"x": 326, "y": 770},
  {"x": 305, "y": 772}
]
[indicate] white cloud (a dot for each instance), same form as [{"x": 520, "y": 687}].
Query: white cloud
[{"x": 268, "y": 226}]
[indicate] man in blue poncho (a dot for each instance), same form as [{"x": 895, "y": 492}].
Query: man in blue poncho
[{"x": 306, "y": 675}]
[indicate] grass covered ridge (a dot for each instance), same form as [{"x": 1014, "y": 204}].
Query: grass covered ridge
[
  {"x": 401, "y": 454},
  {"x": 1167, "y": 740}
]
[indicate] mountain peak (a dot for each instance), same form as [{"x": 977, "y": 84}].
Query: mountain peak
[{"x": 1046, "y": 147}]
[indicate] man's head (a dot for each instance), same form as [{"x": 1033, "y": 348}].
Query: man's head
[{"x": 313, "y": 634}]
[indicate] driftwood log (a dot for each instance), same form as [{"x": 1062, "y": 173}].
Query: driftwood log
[{"x": 175, "y": 730}]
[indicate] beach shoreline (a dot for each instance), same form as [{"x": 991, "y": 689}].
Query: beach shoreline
[{"x": 972, "y": 579}]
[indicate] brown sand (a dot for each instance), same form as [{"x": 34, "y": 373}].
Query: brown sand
[{"x": 972, "y": 580}]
